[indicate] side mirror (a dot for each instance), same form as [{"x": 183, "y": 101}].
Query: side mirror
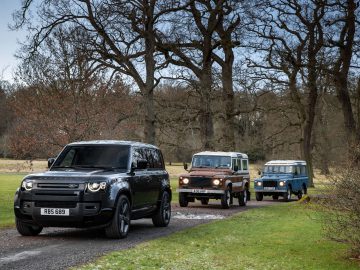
[
  {"x": 185, "y": 166},
  {"x": 259, "y": 172},
  {"x": 50, "y": 162},
  {"x": 142, "y": 164}
]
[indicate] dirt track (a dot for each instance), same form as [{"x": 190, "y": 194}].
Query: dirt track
[{"x": 57, "y": 248}]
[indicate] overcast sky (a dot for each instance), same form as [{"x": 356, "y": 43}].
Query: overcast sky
[{"x": 8, "y": 39}]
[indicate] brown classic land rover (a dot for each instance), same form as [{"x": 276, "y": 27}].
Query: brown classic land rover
[{"x": 216, "y": 175}]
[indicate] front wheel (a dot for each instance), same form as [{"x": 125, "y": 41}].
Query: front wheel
[
  {"x": 27, "y": 229},
  {"x": 287, "y": 195},
  {"x": 259, "y": 196},
  {"x": 163, "y": 214},
  {"x": 226, "y": 199},
  {"x": 183, "y": 200},
  {"x": 204, "y": 201},
  {"x": 120, "y": 224},
  {"x": 243, "y": 198}
]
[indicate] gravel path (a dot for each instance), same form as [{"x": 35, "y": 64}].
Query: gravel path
[{"x": 58, "y": 248}]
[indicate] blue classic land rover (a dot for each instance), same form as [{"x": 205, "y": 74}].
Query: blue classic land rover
[{"x": 282, "y": 178}]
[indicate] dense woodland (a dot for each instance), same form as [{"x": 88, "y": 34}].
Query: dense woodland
[{"x": 277, "y": 79}]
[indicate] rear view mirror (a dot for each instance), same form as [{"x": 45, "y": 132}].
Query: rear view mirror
[
  {"x": 185, "y": 166},
  {"x": 51, "y": 162}
]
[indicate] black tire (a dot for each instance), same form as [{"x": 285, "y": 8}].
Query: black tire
[
  {"x": 275, "y": 197},
  {"x": 204, "y": 201},
  {"x": 259, "y": 196},
  {"x": 287, "y": 195},
  {"x": 27, "y": 229},
  {"x": 226, "y": 199},
  {"x": 163, "y": 214},
  {"x": 248, "y": 194},
  {"x": 183, "y": 200},
  {"x": 304, "y": 189},
  {"x": 243, "y": 198},
  {"x": 120, "y": 224}
]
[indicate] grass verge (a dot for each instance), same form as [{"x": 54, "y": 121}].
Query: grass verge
[
  {"x": 8, "y": 185},
  {"x": 285, "y": 236}
]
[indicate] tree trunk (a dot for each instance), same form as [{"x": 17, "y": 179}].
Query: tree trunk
[
  {"x": 205, "y": 112},
  {"x": 148, "y": 94},
  {"x": 228, "y": 101}
]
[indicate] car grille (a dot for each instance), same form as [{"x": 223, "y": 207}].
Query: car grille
[
  {"x": 270, "y": 183},
  {"x": 56, "y": 204},
  {"x": 59, "y": 185},
  {"x": 200, "y": 182}
]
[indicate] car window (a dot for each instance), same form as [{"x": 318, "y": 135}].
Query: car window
[
  {"x": 244, "y": 164},
  {"x": 137, "y": 154},
  {"x": 106, "y": 156}
]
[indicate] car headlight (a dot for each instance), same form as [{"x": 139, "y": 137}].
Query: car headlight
[
  {"x": 27, "y": 184},
  {"x": 282, "y": 183},
  {"x": 216, "y": 182},
  {"x": 95, "y": 186},
  {"x": 259, "y": 184},
  {"x": 185, "y": 181}
]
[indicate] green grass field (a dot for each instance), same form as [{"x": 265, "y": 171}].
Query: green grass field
[
  {"x": 8, "y": 185},
  {"x": 285, "y": 236}
]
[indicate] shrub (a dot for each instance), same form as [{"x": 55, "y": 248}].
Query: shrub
[{"x": 342, "y": 207}]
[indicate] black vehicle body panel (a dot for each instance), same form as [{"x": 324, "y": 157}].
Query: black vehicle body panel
[{"x": 66, "y": 188}]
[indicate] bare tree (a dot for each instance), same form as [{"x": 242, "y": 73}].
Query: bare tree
[
  {"x": 228, "y": 31},
  {"x": 120, "y": 37},
  {"x": 289, "y": 36},
  {"x": 189, "y": 44},
  {"x": 342, "y": 36}
]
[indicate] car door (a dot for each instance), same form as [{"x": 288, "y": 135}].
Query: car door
[
  {"x": 155, "y": 174},
  {"x": 139, "y": 180}
]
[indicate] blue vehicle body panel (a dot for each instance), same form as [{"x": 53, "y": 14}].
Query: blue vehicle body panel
[{"x": 281, "y": 176}]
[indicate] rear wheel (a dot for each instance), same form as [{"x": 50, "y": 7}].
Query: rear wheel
[
  {"x": 163, "y": 215},
  {"x": 120, "y": 224},
  {"x": 259, "y": 196},
  {"x": 299, "y": 194},
  {"x": 204, "y": 201},
  {"x": 183, "y": 200},
  {"x": 243, "y": 198},
  {"x": 226, "y": 199},
  {"x": 27, "y": 229}
]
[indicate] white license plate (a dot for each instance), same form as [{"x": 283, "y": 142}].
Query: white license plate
[
  {"x": 269, "y": 188},
  {"x": 54, "y": 212},
  {"x": 198, "y": 191}
]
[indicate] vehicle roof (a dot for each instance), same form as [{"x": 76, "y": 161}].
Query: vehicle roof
[
  {"x": 218, "y": 153},
  {"x": 286, "y": 162},
  {"x": 115, "y": 142}
]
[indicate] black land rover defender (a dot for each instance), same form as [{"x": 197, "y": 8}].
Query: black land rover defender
[{"x": 96, "y": 183}]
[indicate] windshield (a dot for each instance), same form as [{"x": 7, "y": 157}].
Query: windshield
[
  {"x": 211, "y": 162},
  {"x": 94, "y": 156},
  {"x": 278, "y": 169}
]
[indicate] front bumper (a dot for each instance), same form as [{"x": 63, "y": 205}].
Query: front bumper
[
  {"x": 84, "y": 210},
  {"x": 200, "y": 191}
]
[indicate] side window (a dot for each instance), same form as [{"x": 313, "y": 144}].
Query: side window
[
  {"x": 244, "y": 164},
  {"x": 297, "y": 170},
  {"x": 234, "y": 163},
  {"x": 158, "y": 159},
  {"x": 155, "y": 158},
  {"x": 138, "y": 153},
  {"x": 303, "y": 170}
]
